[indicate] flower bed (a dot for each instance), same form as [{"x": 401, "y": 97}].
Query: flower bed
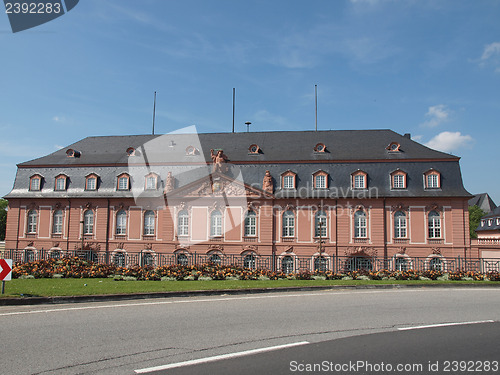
[{"x": 78, "y": 268}]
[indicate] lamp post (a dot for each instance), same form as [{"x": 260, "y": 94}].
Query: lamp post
[
  {"x": 83, "y": 231},
  {"x": 320, "y": 259}
]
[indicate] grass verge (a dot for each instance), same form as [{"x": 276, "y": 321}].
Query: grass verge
[{"x": 76, "y": 287}]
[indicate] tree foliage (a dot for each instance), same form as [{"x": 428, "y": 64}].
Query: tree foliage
[
  {"x": 3, "y": 218},
  {"x": 475, "y": 215}
]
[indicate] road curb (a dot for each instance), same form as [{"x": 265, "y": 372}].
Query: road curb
[{"x": 124, "y": 297}]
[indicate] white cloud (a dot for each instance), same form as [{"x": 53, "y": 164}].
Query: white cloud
[
  {"x": 491, "y": 56},
  {"x": 450, "y": 141},
  {"x": 60, "y": 119},
  {"x": 437, "y": 114}
]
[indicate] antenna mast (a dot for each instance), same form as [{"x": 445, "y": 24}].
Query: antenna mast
[
  {"x": 316, "y": 104},
  {"x": 233, "y": 106},
  {"x": 154, "y": 113}
]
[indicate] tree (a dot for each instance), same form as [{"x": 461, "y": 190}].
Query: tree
[
  {"x": 3, "y": 218},
  {"x": 475, "y": 215}
]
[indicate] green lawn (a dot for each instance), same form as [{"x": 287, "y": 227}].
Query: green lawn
[{"x": 73, "y": 287}]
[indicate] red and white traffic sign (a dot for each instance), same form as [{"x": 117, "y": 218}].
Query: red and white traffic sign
[{"x": 5, "y": 269}]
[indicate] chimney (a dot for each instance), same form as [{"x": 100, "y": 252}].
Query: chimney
[{"x": 407, "y": 135}]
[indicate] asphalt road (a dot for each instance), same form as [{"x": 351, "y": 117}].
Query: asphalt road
[{"x": 120, "y": 337}]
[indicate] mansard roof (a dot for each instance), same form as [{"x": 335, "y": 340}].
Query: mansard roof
[
  {"x": 346, "y": 151},
  {"x": 341, "y": 145}
]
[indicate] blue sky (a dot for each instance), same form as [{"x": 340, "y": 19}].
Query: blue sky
[{"x": 429, "y": 68}]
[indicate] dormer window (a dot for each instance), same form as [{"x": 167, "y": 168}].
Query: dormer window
[
  {"x": 254, "y": 149},
  {"x": 70, "y": 153},
  {"x": 320, "y": 147},
  {"x": 91, "y": 182},
  {"x": 490, "y": 222},
  {"x": 358, "y": 180},
  {"x": 36, "y": 183},
  {"x": 432, "y": 179},
  {"x": 123, "y": 182},
  {"x": 320, "y": 180},
  {"x": 498, "y": 220},
  {"x": 191, "y": 150},
  {"x": 151, "y": 181},
  {"x": 288, "y": 180},
  {"x": 482, "y": 223},
  {"x": 394, "y": 147},
  {"x": 60, "y": 183},
  {"x": 398, "y": 179},
  {"x": 131, "y": 151}
]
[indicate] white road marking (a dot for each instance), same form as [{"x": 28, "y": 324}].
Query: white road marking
[
  {"x": 231, "y": 298},
  {"x": 183, "y": 301},
  {"x": 445, "y": 325},
  {"x": 219, "y": 357}
]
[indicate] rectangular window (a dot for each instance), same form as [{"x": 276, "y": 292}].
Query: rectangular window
[
  {"x": 61, "y": 183},
  {"x": 250, "y": 226},
  {"x": 151, "y": 183},
  {"x": 123, "y": 183},
  {"x": 91, "y": 183},
  {"x": 399, "y": 181},
  {"x": 183, "y": 227},
  {"x": 432, "y": 181},
  {"x": 321, "y": 182},
  {"x": 359, "y": 181},
  {"x": 35, "y": 184},
  {"x": 58, "y": 223},
  {"x": 288, "y": 182}
]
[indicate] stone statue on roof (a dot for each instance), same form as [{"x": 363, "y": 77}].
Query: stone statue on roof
[
  {"x": 219, "y": 160},
  {"x": 267, "y": 183}
]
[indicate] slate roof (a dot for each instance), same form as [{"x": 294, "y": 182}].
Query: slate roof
[
  {"x": 346, "y": 152},
  {"x": 483, "y": 201},
  {"x": 484, "y": 224}
]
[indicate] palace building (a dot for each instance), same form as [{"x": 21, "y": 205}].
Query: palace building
[{"x": 290, "y": 200}]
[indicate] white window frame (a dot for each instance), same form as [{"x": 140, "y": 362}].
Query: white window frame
[
  {"x": 289, "y": 182},
  {"x": 399, "y": 181},
  {"x": 400, "y": 225},
  {"x": 288, "y": 226},
  {"x": 60, "y": 183},
  {"x": 320, "y": 181},
  {"x": 320, "y": 216},
  {"x": 149, "y": 223},
  {"x": 88, "y": 222},
  {"x": 434, "y": 225},
  {"x": 250, "y": 224},
  {"x": 123, "y": 183},
  {"x": 216, "y": 224},
  {"x": 35, "y": 183},
  {"x": 91, "y": 185},
  {"x": 360, "y": 224},
  {"x": 151, "y": 183},
  {"x": 360, "y": 181},
  {"x": 432, "y": 181},
  {"x": 32, "y": 221},
  {"x": 183, "y": 224},
  {"x": 121, "y": 223},
  {"x": 57, "y": 222}
]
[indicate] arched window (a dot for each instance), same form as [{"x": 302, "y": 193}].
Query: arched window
[
  {"x": 182, "y": 259},
  {"x": 436, "y": 264},
  {"x": 216, "y": 224},
  {"x": 249, "y": 261},
  {"x": 119, "y": 259},
  {"x": 250, "y": 224},
  {"x": 215, "y": 259},
  {"x": 288, "y": 224},
  {"x": 183, "y": 223},
  {"x": 320, "y": 264},
  {"x": 401, "y": 263},
  {"x": 434, "y": 224},
  {"x": 149, "y": 223},
  {"x": 32, "y": 221},
  {"x": 400, "y": 224},
  {"x": 147, "y": 258},
  {"x": 320, "y": 224},
  {"x": 123, "y": 182},
  {"x": 57, "y": 223},
  {"x": 121, "y": 222},
  {"x": 287, "y": 264},
  {"x": 88, "y": 222},
  {"x": 360, "y": 224}
]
